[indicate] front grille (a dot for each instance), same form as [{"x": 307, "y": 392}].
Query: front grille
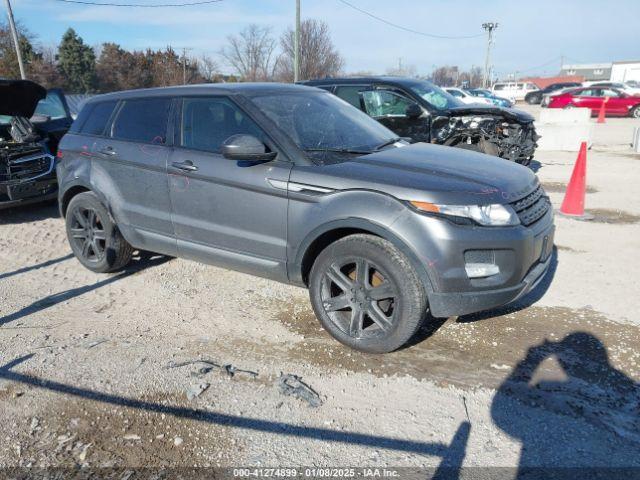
[
  {"x": 20, "y": 168},
  {"x": 533, "y": 207}
]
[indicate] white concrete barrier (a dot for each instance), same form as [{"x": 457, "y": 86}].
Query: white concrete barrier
[
  {"x": 564, "y": 129},
  {"x": 636, "y": 140}
]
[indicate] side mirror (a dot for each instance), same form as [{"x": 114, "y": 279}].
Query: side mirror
[
  {"x": 413, "y": 111},
  {"x": 246, "y": 147}
]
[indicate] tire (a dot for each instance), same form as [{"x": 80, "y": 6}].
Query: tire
[
  {"x": 374, "y": 313},
  {"x": 568, "y": 106},
  {"x": 534, "y": 99},
  {"x": 93, "y": 235},
  {"x": 635, "y": 112}
]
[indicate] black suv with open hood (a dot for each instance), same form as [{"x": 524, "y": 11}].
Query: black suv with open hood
[
  {"x": 426, "y": 113},
  {"x": 32, "y": 122}
]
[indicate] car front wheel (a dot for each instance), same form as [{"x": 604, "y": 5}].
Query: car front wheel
[
  {"x": 94, "y": 238},
  {"x": 366, "y": 294}
]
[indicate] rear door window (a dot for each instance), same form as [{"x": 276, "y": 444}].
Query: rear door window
[
  {"x": 97, "y": 117},
  {"x": 207, "y": 122},
  {"x": 143, "y": 120}
]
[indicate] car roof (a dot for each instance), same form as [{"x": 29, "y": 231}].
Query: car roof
[
  {"x": 358, "y": 80},
  {"x": 248, "y": 89}
]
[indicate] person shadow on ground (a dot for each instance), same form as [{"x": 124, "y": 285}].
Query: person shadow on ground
[{"x": 584, "y": 422}]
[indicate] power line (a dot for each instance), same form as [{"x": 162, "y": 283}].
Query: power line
[
  {"x": 141, "y": 5},
  {"x": 410, "y": 30}
]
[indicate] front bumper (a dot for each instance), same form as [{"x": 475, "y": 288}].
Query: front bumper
[
  {"x": 34, "y": 191},
  {"x": 456, "y": 304},
  {"x": 523, "y": 255}
]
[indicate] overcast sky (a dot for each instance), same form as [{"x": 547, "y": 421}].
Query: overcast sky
[{"x": 531, "y": 38}]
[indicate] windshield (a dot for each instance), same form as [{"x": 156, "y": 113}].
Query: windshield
[
  {"x": 321, "y": 122},
  {"x": 435, "y": 96},
  {"x": 51, "y": 106}
]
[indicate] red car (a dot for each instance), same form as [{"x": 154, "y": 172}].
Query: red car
[{"x": 618, "y": 103}]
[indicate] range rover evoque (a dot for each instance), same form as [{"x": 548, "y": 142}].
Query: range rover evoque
[{"x": 291, "y": 183}]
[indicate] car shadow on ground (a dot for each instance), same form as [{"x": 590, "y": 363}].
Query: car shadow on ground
[
  {"x": 37, "y": 266},
  {"x": 583, "y": 422},
  {"x": 452, "y": 454},
  {"x": 29, "y": 213},
  {"x": 138, "y": 263}
]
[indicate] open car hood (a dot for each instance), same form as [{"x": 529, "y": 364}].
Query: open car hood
[
  {"x": 19, "y": 98},
  {"x": 509, "y": 113}
]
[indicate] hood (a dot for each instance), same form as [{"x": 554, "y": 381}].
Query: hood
[
  {"x": 426, "y": 172},
  {"x": 19, "y": 98},
  {"x": 512, "y": 114}
]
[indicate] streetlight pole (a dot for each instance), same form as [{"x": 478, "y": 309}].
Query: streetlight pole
[
  {"x": 16, "y": 42},
  {"x": 489, "y": 27},
  {"x": 296, "y": 45}
]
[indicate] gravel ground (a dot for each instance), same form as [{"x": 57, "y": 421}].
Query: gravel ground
[{"x": 177, "y": 364}]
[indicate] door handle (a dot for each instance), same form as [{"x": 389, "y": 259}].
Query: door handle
[
  {"x": 108, "y": 151},
  {"x": 187, "y": 166}
]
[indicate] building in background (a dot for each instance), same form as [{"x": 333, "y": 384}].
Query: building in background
[
  {"x": 591, "y": 72},
  {"x": 625, "y": 71}
]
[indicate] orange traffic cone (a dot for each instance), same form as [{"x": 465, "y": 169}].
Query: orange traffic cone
[
  {"x": 573, "y": 203},
  {"x": 602, "y": 112}
]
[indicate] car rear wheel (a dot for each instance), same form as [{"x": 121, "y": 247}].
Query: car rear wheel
[
  {"x": 635, "y": 112},
  {"x": 366, "y": 294},
  {"x": 569, "y": 106},
  {"x": 533, "y": 100},
  {"x": 94, "y": 238}
]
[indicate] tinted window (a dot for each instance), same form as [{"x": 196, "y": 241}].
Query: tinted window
[
  {"x": 97, "y": 117},
  {"x": 208, "y": 122},
  {"x": 350, "y": 94},
  {"x": 143, "y": 120},
  {"x": 499, "y": 86}
]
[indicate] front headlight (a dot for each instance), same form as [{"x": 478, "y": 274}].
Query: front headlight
[{"x": 495, "y": 215}]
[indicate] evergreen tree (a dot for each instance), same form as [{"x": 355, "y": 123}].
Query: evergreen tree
[{"x": 77, "y": 64}]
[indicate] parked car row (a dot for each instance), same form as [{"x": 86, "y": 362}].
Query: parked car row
[
  {"x": 615, "y": 102},
  {"x": 294, "y": 184}
]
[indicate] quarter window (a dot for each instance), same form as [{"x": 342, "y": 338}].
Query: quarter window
[
  {"x": 208, "y": 122},
  {"x": 143, "y": 120}
]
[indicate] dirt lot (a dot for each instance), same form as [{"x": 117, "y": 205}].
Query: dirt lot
[{"x": 100, "y": 370}]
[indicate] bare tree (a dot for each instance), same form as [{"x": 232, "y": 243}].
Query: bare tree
[
  {"x": 318, "y": 56},
  {"x": 208, "y": 68},
  {"x": 250, "y": 53}
]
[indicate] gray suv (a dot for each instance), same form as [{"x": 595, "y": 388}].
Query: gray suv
[{"x": 291, "y": 183}]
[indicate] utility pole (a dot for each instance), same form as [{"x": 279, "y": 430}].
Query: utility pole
[
  {"x": 16, "y": 42},
  {"x": 489, "y": 27},
  {"x": 184, "y": 65},
  {"x": 296, "y": 46}
]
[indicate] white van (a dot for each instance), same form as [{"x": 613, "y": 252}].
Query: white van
[{"x": 513, "y": 90}]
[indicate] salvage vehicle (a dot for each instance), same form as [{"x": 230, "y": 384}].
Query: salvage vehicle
[
  {"x": 616, "y": 102},
  {"x": 419, "y": 110},
  {"x": 293, "y": 184},
  {"x": 32, "y": 121},
  {"x": 535, "y": 97}
]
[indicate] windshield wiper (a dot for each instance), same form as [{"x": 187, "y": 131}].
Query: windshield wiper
[
  {"x": 391, "y": 141},
  {"x": 339, "y": 150}
]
